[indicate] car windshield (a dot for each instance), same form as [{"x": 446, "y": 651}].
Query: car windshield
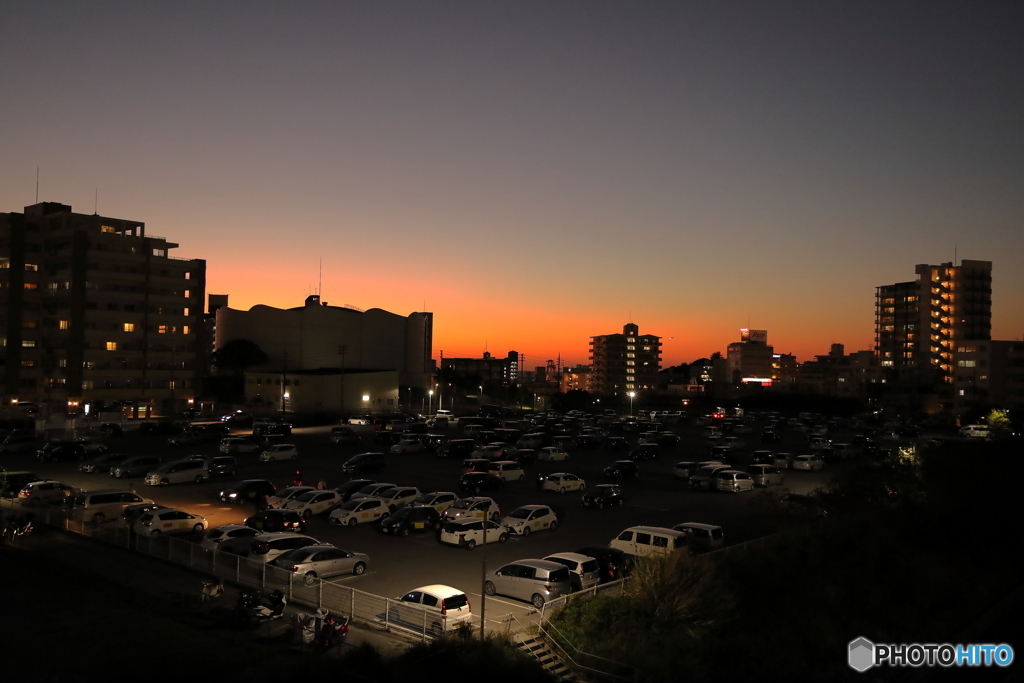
[
  {"x": 402, "y": 514},
  {"x": 351, "y": 505},
  {"x": 521, "y": 513},
  {"x": 299, "y": 555},
  {"x": 289, "y": 492},
  {"x": 307, "y": 496},
  {"x": 462, "y": 505}
]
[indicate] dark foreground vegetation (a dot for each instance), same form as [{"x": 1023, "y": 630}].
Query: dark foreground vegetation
[
  {"x": 60, "y": 624},
  {"x": 916, "y": 550}
]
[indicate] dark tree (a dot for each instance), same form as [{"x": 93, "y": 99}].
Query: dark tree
[{"x": 237, "y": 355}]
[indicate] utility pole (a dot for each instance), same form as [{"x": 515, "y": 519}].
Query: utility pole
[
  {"x": 284, "y": 380},
  {"x": 440, "y": 382}
]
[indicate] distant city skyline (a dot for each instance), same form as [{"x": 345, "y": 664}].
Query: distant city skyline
[{"x": 536, "y": 173}]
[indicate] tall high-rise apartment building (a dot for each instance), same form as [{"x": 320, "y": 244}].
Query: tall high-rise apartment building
[
  {"x": 625, "y": 362},
  {"x": 96, "y": 311},
  {"x": 919, "y": 325}
]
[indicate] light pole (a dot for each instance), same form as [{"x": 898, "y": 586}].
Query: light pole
[
  {"x": 430, "y": 398},
  {"x": 480, "y": 395},
  {"x": 632, "y": 395}
]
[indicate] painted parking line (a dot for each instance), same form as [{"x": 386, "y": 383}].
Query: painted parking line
[
  {"x": 350, "y": 577},
  {"x": 510, "y": 604}
]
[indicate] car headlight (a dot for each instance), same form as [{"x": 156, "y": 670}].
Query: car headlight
[{"x": 232, "y": 495}]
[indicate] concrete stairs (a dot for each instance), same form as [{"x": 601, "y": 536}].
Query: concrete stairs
[{"x": 545, "y": 655}]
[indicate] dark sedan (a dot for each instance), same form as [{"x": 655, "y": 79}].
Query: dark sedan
[
  {"x": 620, "y": 469},
  {"x": 480, "y": 481},
  {"x": 416, "y": 518},
  {"x": 602, "y": 496},
  {"x": 614, "y": 564},
  {"x": 56, "y": 451},
  {"x": 277, "y": 520}
]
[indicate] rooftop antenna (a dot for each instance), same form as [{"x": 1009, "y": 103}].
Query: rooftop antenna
[
  {"x": 320, "y": 282},
  {"x": 96, "y": 202},
  {"x": 37, "y": 184}
]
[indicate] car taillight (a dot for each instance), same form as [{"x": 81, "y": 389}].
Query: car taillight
[
  {"x": 22, "y": 494},
  {"x": 293, "y": 569},
  {"x": 548, "y": 588},
  {"x": 444, "y": 608}
]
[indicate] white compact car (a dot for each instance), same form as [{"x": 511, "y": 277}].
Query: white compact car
[
  {"x": 469, "y": 533},
  {"x": 474, "y": 507},
  {"x": 529, "y": 518},
  {"x": 313, "y": 502},
  {"x": 359, "y": 510},
  {"x": 563, "y": 481},
  {"x": 169, "y": 521},
  {"x": 281, "y": 451}
]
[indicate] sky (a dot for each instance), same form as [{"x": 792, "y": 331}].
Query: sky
[{"x": 538, "y": 173}]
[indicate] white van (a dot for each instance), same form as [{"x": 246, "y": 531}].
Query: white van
[
  {"x": 975, "y": 431},
  {"x": 507, "y": 470},
  {"x": 96, "y": 506},
  {"x": 702, "y": 537},
  {"x": 650, "y": 541},
  {"x": 179, "y": 472}
]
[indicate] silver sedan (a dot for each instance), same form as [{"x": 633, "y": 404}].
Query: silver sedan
[{"x": 318, "y": 561}]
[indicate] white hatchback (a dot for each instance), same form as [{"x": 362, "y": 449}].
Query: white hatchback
[
  {"x": 358, "y": 511},
  {"x": 474, "y": 507},
  {"x": 313, "y": 502},
  {"x": 529, "y": 518},
  {"x": 169, "y": 521},
  {"x": 439, "y": 500},
  {"x": 563, "y": 481},
  {"x": 807, "y": 462},
  {"x": 552, "y": 454},
  {"x": 217, "y": 535},
  {"x": 449, "y": 606},
  {"x": 281, "y": 498},
  {"x": 469, "y": 533}
]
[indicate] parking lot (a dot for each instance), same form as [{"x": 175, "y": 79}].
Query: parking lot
[{"x": 401, "y": 564}]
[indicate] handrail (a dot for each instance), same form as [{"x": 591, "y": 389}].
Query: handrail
[{"x": 570, "y": 658}]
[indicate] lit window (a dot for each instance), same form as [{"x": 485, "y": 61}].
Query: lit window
[
  {"x": 966, "y": 363},
  {"x": 28, "y": 343},
  {"x": 108, "y": 228},
  {"x": 159, "y": 252},
  {"x": 188, "y": 293},
  {"x": 31, "y": 285},
  {"x": 631, "y": 339},
  {"x": 184, "y": 329},
  {"x": 184, "y": 311},
  {"x": 31, "y": 266},
  {"x": 111, "y": 346},
  {"x": 188, "y": 276},
  {"x": 129, "y": 327},
  {"x": 28, "y": 363},
  {"x": 162, "y": 329}
]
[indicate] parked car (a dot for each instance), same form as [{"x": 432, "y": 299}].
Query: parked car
[
  {"x": 552, "y": 454},
  {"x": 102, "y": 463},
  {"x": 280, "y": 498},
  {"x": 508, "y": 470},
  {"x": 439, "y": 500},
  {"x": 584, "y": 571},
  {"x": 811, "y": 463},
  {"x": 650, "y": 541},
  {"x": 701, "y": 537},
  {"x": 457, "y": 448},
  {"x": 733, "y": 481},
  {"x": 765, "y": 475},
  {"x": 281, "y": 451},
  {"x": 408, "y": 446},
  {"x": 169, "y": 521},
  {"x": 474, "y": 507},
  {"x": 398, "y": 497},
  {"x": 613, "y": 564},
  {"x": 277, "y": 520},
  {"x": 312, "y": 562},
  {"x": 535, "y": 581},
  {"x": 344, "y": 436},
  {"x": 602, "y": 496},
  {"x": 97, "y": 506},
  {"x": 236, "y": 444},
  {"x": 57, "y": 451},
  {"x": 364, "y": 462},
  {"x": 178, "y": 472},
  {"x": 529, "y": 518},
  {"x": 702, "y": 478},
  {"x": 448, "y": 608},
  {"x": 346, "y": 490},
  {"x": 372, "y": 490},
  {"x": 358, "y": 510},
  {"x": 480, "y": 481},
  {"x": 130, "y": 514},
  {"x": 218, "y": 535},
  {"x": 18, "y": 443},
  {"x": 562, "y": 482},
  {"x": 313, "y": 502},
  {"x": 137, "y": 466},
  {"x": 247, "y": 491},
  {"x": 469, "y": 533},
  {"x": 412, "y": 518},
  {"x": 265, "y": 547},
  {"x": 222, "y": 466},
  {"x": 621, "y": 469},
  {"x": 45, "y": 492}
]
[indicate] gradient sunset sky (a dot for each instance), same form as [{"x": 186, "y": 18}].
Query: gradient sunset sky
[{"x": 537, "y": 173}]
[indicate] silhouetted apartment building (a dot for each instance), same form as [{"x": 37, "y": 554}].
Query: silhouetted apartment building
[
  {"x": 624, "y": 362},
  {"x": 97, "y": 311},
  {"x": 576, "y": 378},
  {"x": 919, "y": 324},
  {"x": 751, "y": 360},
  {"x": 482, "y": 370}
]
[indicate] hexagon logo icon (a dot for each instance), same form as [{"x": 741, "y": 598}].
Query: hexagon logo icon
[{"x": 862, "y": 654}]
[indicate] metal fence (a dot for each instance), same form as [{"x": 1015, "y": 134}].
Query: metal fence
[
  {"x": 610, "y": 588},
  {"x": 364, "y": 608}
]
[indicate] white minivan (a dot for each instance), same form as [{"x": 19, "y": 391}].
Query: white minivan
[
  {"x": 650, "y": 541},
  {"x": 507, "y": 470},
  {"x": 974, "y": 431}
]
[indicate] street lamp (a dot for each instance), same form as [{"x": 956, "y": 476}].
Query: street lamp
[
  {"x": 632, "y": 395},
  {"x": 430, "y": 398},
  {"x": 480, "y": 395}
]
